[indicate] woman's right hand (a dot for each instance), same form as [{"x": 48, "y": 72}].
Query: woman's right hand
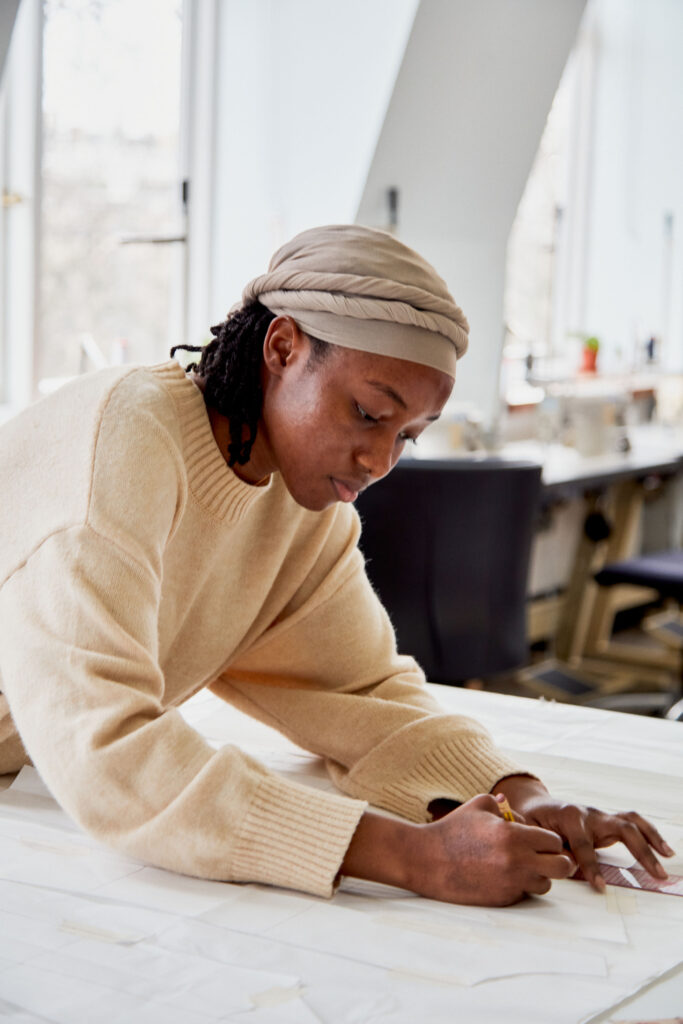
[{"x": 472, "y": 855}]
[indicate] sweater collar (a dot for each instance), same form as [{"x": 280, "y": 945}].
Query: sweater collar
[{"x": 214, "y": 485}]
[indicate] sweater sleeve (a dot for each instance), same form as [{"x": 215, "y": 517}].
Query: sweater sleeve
[
  {"x": 84, "y": 688},
  {"x": 329, "y": 677}
]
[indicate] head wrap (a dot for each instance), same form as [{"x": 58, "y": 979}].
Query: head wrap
[{"x": 363, "y": 289}]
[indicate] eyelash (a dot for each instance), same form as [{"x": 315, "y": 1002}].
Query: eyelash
[{"x": 371, "y": 419}]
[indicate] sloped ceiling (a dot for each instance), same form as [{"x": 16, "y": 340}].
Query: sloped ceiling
[{"x": 461, "y": 131}]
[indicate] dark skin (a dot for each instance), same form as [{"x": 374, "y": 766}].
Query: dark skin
[{"x": 331, "y": 428}]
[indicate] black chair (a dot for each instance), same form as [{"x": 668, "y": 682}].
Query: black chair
[
  {"x": 447, "y": 545},
  {"x": 662, "y": 572}
]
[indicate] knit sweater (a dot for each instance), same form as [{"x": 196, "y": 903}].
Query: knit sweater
[{"x": 137, "y": 568}]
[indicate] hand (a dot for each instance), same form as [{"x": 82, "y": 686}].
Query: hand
[
  {"x": 471, "y": 855},
  {"x": 585, "y": 829}
]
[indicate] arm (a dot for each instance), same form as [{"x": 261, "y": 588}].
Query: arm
[
  {"x": 79, "y": 669},
  {"x": 329, "y": 677}
]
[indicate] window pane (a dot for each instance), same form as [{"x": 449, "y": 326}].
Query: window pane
[{"x": 111, "y": 108}]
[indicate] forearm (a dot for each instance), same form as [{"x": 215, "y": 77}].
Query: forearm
[
  {"x": 382, "y": 850},
  {"x": 470, "y": 856}
]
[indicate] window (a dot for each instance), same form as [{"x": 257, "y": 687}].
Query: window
[
  {"x": 111, "y": 272},
  {"x": 92, "y": 229}
]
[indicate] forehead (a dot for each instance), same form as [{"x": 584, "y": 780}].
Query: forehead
[{"x": 423, "y": 389}]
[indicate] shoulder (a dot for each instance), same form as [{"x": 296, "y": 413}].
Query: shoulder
[
  {"x": 87, "y": 448},
  {"x": 139, "y": 477}
]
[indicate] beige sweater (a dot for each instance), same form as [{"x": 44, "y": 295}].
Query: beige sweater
[{"x": 135, "y": 569}]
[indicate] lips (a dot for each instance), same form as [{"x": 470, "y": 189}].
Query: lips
[{"x": 346, "y": 491}]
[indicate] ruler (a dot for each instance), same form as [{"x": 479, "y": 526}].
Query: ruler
[{"x": 635, "y": 877}]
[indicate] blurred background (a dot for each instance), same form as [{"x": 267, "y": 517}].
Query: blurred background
[{"x": 154, "y": 153}]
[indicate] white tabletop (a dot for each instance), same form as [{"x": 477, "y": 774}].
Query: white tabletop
[
  {"x": 86, "y": 935},
  {"x": 654, "y": 448}
]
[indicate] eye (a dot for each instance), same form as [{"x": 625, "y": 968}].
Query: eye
[
  {"x": 363, "y": 414},
  {"x": 406, "y": 437}
]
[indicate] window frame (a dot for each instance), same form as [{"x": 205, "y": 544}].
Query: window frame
[
  {"x": 21, "y": 131},
  {"x": 20, "y": 164}
]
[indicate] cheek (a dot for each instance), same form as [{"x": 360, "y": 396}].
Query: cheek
[{"x": 300, "y": 424}]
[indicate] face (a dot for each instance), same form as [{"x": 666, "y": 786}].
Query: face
[{"x": 333, "y": 426}]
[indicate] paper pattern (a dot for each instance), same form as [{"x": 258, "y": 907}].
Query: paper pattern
[{"x": 87, "y": 935}]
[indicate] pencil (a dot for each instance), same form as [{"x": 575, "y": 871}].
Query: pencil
[{"x": 505, "y": 809}]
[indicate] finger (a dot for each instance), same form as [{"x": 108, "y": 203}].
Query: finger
[
  {"x": 634, "y": 840},
  {"x": 483, "y": 802},
  {"x": 554, "y": 866},
  {"x": 583, "y": 852},
  {"x": 538, "y": 886},
  {"x": 651, "y": 834},
  {"x": 543, "y": 840}
]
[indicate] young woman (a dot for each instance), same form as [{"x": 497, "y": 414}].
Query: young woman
[{"x": 164, "y": 531}]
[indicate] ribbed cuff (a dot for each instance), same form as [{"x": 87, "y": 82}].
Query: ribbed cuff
[
  {"x": 409, "y": 770},
  {"x": 457, "y": 769},
  {"x": 294, "y": 836}
]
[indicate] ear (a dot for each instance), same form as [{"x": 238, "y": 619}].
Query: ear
[{"x": 283, "y": 345}]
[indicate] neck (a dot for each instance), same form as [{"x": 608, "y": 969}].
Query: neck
[{"x": 259, "y": 466}]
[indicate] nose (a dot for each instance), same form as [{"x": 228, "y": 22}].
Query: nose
[{"x": 378, "y": 459}]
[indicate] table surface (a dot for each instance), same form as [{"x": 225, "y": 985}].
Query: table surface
[
  {"x": 654, "y": 449},
  {"x": 78, "y": 923}
]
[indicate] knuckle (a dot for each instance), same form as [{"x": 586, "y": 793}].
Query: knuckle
[{"x": 630, "y": 828}]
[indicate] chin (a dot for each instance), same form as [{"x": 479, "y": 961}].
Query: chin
[
  {"x": 307, "y": 499},
  {"x": 315, "y": 504}
]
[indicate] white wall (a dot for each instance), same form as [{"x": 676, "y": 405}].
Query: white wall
[
  {"x": 461, "y": 132},
  {"x": 636, "y": 167},
  {"x": 301, "y": 94}
]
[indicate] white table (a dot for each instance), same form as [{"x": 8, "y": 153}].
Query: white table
[{"x": 90, "y": 936}]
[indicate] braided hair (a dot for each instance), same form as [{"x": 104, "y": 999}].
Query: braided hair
[{"x": 230, "y": 366}]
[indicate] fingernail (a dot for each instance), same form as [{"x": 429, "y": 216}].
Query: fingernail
[
  {"x": 668, "y": 852},
  {"x": 600, "y": 883},
  {"x": 660, "y": 871}
]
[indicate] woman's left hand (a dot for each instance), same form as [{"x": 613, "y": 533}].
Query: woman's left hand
[{"x": 585, "y": 829}]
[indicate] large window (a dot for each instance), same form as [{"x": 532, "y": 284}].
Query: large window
[
  {"x": 93, "y": 222},
  {"x": 595, "y": 250},
  {"x": 111, "y": 274}
]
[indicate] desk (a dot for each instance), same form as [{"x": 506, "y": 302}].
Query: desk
[
  {"x": 89, "y": 936},
  {"x": 567, "y": 473},
  {"x": 581, "y": 619}
]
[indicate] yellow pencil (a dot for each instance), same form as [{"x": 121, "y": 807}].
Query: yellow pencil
[{"x": 505, "y": 809}]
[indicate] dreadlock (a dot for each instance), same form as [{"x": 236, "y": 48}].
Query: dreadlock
[{"x": 230, "y": 366}]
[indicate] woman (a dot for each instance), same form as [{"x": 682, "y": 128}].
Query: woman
[{"x": 164, "y": 532}]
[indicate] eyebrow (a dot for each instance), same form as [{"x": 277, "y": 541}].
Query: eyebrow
[{"x": 389, "y": 391}]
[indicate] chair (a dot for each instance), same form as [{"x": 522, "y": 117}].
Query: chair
[
  {"x": 662, "y": 572},
  {"x": 447, "y": 545}
]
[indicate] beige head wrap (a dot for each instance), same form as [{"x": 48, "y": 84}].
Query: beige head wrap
[{"x": 363, "y": 289}]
